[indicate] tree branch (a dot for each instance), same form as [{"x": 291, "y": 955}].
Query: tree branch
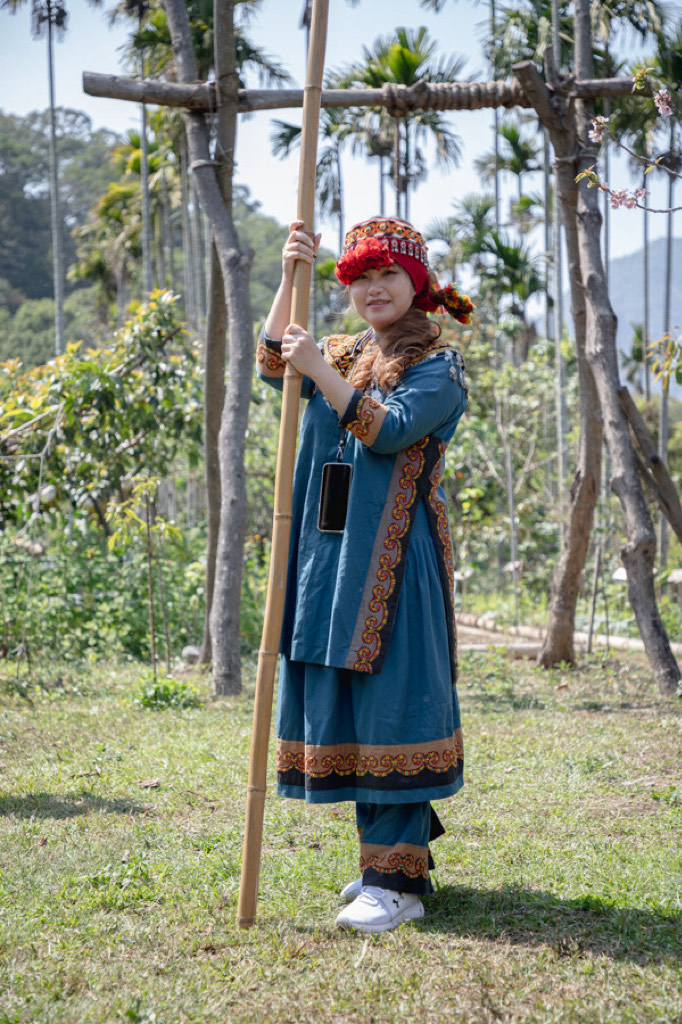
[{"x": 652, "y": 467}]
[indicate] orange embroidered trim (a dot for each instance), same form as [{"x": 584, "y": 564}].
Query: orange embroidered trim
[
  {"x": 381, "y": 592},
  {"x": 399, "y": 236},
  {"x": 272, "y": 361},
  {"x": 438, "y": 345},
  {"x": 458, "y": 739},
  {"x": 290, "y": 759},
  {"x": 365, "y": 413},
  {"x": 353, "y": 761},
  {"x": 387, "y": 864},
  {"x": 340, "y": 350},
  {"x": 444, "y": 536}
]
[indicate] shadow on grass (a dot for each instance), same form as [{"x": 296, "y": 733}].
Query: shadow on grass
[
  {"x": 49, "y": 805},
  {"x": 495, "y": 701},
  {"x": 571, "y": 927},
  {"x": 506, "y": 700}
]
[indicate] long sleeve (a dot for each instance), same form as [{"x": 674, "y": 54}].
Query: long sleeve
[
  {"x": 270, "y": 366},
  {"x": 430, "y": 396}
]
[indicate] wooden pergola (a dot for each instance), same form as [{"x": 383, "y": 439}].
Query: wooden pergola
[{"x": 399, "y": 100}]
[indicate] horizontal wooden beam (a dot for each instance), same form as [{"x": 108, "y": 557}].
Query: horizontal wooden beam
[
  {"x": 199, "y": 96},
  {"x": 399, "y": 100}
]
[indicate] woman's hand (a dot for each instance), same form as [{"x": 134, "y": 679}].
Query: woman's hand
[
  {"x": 299, "y": 349},
  {"x": 298, "y": 246}
]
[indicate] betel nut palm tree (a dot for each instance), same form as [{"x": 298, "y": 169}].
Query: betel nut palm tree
[
  {"x": 405, "y": 58},
  {"x": 49, "y": 18},
  {"x": 334, "y": 131}
]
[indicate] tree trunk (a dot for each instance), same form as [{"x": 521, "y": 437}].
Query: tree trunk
[
  {"x": 197, "y": 252},
  {"x": 214, "y": 400},
  {"x": 382, "y": 200},
  {"x": 547, "y": 226},
  {"x": 341, "y": 215},
  {"x": 653, "y": 470},
  {"x": 160, "y": 248},
  {"x": 406, "y": 165},
  {"x": 147, "y": 282},
  {"x": 120, "y": 275},
  {"x": 55, "y": 214},
  {"x": 667, "y": 327},
  {"x": 168, "y": 235},
  {"x": 639, "y": 549},
  {"x": 558, "y": 644},
  {"x": 396, "y": 164},
  {"x": 187, "y": 255},
  {"x": 645, "y": 310},
  {"x": 235, "y": 268},
  {"x": 607, "y": 200},
  {"x": 601, "y": 362}
]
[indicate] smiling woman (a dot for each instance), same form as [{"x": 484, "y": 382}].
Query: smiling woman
[
  {"x": 368, "y": 707},
  {"x": 382, "y": 295}
]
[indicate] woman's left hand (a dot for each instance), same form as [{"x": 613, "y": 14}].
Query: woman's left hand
[{"x": 299, "y": 349}]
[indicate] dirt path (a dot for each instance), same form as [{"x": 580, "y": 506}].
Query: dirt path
[{"x": 525, "y": 641}]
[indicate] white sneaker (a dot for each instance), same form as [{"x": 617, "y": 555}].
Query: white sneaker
[
  {"x": 353, "y": 889},
  {"x": 380, "y": 910}
]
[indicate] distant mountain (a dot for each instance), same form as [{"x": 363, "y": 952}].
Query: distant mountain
[{"x": 626, "y": 284}]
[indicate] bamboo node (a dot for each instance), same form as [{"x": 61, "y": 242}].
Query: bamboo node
[
  {"x": 282, "y": 515},
  {"x": 256, "y": 789}
]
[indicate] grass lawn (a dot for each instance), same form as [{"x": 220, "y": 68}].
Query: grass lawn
[{"x": 559, "y": 881}]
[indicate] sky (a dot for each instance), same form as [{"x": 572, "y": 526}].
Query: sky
[{"x": 91, "y": 43}]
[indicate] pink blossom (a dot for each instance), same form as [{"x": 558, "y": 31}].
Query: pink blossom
[
  {"x": 599, "y": 126},
  {"x": 662, "y": 99},
  {"x": 641, "y": 193},
  {"x": 624, "y": 198}
]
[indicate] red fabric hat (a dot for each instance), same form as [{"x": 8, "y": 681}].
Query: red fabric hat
[{"x": 380, "y": 241}]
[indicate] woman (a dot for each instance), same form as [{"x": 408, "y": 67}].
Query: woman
[{"x": 367, "y": 706}]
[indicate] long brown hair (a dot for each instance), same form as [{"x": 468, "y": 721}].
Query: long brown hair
[{"x": 402, "y": 343}]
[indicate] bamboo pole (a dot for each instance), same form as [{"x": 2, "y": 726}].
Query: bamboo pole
[{"x": 281, "y": 530}]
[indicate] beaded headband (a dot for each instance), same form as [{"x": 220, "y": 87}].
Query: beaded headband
[
  {"x": 399, "y": 236},
  {"x": 380, "y": 241}
]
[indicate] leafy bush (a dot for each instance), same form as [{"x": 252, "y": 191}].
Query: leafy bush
[
  {"x": 166, "y": 692},
  {"x": 79, "y": 427},
  {"x": 80, "y": 599}
]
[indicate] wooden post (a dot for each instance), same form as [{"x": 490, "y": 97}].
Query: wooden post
[{"x": 281, "y": 532}]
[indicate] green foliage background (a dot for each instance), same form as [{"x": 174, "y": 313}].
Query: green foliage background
[{"x": 85, "y": 594}]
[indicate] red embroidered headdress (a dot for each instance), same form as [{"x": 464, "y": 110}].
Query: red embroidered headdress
[{"x": 380, "y": 241}]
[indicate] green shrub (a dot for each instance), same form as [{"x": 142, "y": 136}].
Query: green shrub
[{"x": 165, "y": 692}]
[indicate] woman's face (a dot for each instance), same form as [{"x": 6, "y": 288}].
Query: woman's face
[{"x": 382, "y": 295}]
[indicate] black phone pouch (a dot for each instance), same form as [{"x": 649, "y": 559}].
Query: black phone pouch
[{"x": 336, "y": 477}]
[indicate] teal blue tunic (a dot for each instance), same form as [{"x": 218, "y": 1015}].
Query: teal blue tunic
[{"x": 367, "y": 707}]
